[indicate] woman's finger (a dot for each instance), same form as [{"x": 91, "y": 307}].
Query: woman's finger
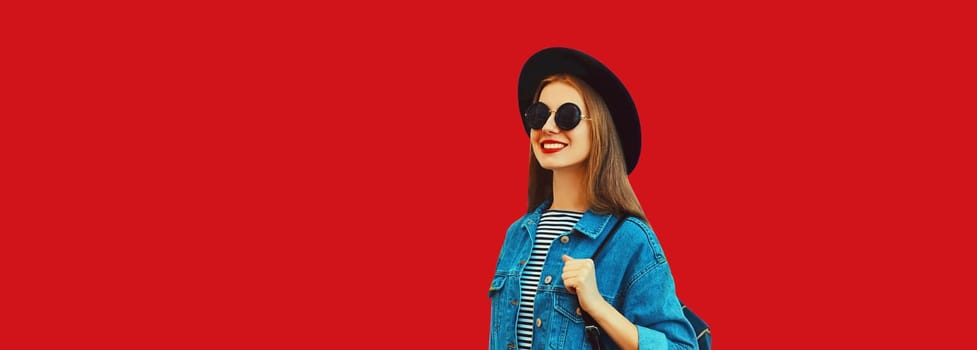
[
  {"x": 568, "y": 275},
  {"x": 571, "y": 285}
]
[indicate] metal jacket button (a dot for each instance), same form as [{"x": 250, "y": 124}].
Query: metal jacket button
[
  {"x": 564, "y": 239},
  {"x": 548, "y": 279}
]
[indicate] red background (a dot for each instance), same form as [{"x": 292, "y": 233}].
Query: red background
[{"x": 286, "y": 175}]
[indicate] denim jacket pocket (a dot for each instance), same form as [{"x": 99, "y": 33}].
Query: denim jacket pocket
[
  {"x": 497, "y": 283},
  {"x": 567, "y": 305},
  {"x": 569, "y": 333},
  {"x": 500, "y": 309}
]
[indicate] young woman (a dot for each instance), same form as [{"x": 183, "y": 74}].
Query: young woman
[{"x": 584, "y": 140}]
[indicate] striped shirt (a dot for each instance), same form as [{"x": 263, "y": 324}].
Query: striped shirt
[{"x": 553, "y": 224}]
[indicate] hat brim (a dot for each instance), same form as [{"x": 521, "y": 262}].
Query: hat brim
[{"x": 556, "y": 60}]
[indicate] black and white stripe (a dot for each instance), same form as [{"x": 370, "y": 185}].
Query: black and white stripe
[{"x": 553, "y": 224}]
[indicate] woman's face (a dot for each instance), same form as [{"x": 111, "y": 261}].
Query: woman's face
[{"x": 557, "y": 149}]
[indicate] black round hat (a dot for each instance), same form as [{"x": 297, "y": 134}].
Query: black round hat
[{"x": 556, "y": 60}]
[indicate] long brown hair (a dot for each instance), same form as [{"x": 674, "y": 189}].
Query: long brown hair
[{"x": 606, "y": 177}]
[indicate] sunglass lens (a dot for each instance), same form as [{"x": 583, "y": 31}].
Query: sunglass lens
[
  {"x": 567, "y": 116},
  {"x": 536, "y": 115}
]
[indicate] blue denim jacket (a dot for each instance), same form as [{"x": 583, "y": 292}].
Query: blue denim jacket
[{"x": 632, "y": 275}]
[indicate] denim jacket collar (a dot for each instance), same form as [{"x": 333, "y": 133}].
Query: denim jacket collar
[{"x": 591, "y": 224}]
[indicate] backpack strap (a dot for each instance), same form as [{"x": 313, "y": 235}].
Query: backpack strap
[{"x": 591, "y": 329}]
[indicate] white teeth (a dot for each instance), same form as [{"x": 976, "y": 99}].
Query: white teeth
[{"x": 553, "y": 145}]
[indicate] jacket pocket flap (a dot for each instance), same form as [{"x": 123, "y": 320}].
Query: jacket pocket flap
[
  {"x": 497, "y": 283},
  {"x": 567, "y": 305}
]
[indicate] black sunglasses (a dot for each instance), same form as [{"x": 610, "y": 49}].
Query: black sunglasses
[{"x": 567, "y": 116}]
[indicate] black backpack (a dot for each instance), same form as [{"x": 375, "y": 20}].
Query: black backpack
[{"x": 592, "y": 330}]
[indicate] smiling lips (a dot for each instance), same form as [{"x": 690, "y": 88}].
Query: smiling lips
[{"x": 552, "y": 146}]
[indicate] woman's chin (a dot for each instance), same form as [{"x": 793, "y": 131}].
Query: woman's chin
[{"x": 554, "y": 166}]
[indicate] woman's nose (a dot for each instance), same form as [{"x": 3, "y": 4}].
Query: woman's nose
[{"x": 550, "y": 126}]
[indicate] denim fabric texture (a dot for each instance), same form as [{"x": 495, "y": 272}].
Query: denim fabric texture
[{"x": 632, "y": 274}]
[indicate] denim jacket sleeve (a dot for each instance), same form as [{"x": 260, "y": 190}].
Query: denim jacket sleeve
[{"x": 647, "y": 294}]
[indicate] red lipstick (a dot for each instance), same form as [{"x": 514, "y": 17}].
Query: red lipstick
[{"x": 553, "y": 146}]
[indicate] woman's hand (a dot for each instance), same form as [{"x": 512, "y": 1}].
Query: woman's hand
[{"x": 578, "y": 277}]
